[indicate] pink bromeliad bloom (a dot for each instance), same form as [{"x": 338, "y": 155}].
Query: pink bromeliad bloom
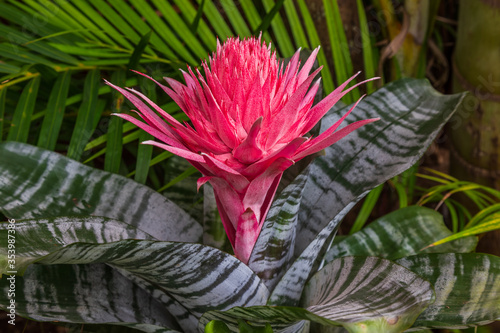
[{"x": 249, "y": 118}]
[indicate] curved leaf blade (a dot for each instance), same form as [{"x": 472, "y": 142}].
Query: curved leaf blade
[
  {"x": 399, "y": 234},
  {"x": 271, "y": 255},
  {"x": 281, "y": 318},
  {"x": 368, "y": 292},
  {"x": 85, "y": 294},
  {"x": 289, "y": 288},
  {"x": 199, "y": 277},
  {"x": 467, "y": 288},
  {"x": 412, "y": 114},
  {"x": 36, "y": 183},
  {"x": 36, "y": 238}
]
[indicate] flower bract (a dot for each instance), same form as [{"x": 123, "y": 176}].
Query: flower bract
[{"x": 250, "y": 115}]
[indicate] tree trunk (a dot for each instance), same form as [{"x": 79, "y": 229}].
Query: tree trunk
[{"x": 475, "y": 131}]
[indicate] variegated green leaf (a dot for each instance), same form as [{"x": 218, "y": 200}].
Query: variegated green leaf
[
  {"x": 402, "y": 233},
  {"x": 199, "y": 277},
  {"x": 467, "y": 288},
  {"x": 411, "y": 114},
  {"x": 282, "y": 318},
  {"x": 289, "y": 288},
  {"x": 36, "y": 238},
  {"x": 37, "y": 183},
  {"x": 85, "y": 294},
  {"x": 364, "y": 294},
  {"x": 184, "y": 318},
  {"x": 368, "y": 294},
  {"x": 271, "y": 255}
]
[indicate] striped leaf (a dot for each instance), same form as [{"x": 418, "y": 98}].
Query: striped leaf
[
  {"x": 289, "y": 289},
  {"x": 36, "y": 238},
  {"x": 201, "y": 278},
  {"x": 412, "y": 114},
  {"x": 351, "y": 292},
  {"x": 399, "y": 234},
  {"x": 184, "y": 318},
  {"x": 467, "y": 288},
  {"x": 36, "y": 183},
  {"x": 180, "y": 178},
  {"x": 85, "y": 294},
  {"x": 282, "y": 318},
  {"x": 368, "y": 294},
  {"x": 271, "y": 254}
]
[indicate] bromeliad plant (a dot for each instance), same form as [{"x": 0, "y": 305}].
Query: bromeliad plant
[
  {"x": 110, "y": 251},
  {"x": 249, "y": 120}
]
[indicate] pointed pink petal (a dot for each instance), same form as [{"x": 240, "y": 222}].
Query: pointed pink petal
[
  {"x": 293, "y": 66},
  {"x": 268, "y": 200},
  {"x": 176, "y": 85},
  {"x": 151, "y": 130},
  {"x": 248, "y": 151},
  {"x": 306, "y": 68},
  {"x": 200, "y": 143},
  {"x": 287, "y": 151},
  {"x": 288, "y": 114},
  {"x": 172, "y": 94},
  {"x": 149, "y": 116},
  {"x": 201, "y": 181},
  {"x": 320, "y": 109},
  {"x": 334, "y": 127},
  {"x": 311, "y": 93},
  {"x": 224, "y": 129},
  {"x": 200, "y": 95},
  {"x": 143, "y": 108},
  {"x": 316, "y": 145},
  {"x": 188, "y": 155},
  {"x": 246, "y": 235},
  {"x": 162, "y": 112},
  {"x": 221, "y": 170}
]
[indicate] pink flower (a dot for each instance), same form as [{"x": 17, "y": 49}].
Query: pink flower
[{"x": 249, "y": 119}]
